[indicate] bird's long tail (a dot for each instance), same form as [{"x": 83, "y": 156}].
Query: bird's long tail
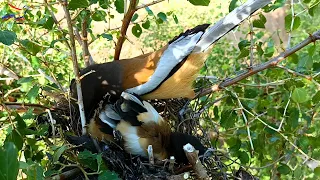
[{"x": 229, "y": 22}]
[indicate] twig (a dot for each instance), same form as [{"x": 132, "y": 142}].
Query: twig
[
  {"x": 67, "y": 174},
  {"x": 149, "y": 4},
  {"x": 255, "y": 69},
  {"x": 294, "y": 72},
  {"x": 85, "y": 47},
  {"x": 76, "y": 71},
  {"x": 292, "y": 22},
  {"x": 181, "y": 176},
  {"x": 53, "y": 122},
  {"x": 125, "y": 24},
  {"x": 192, "y": 156},
  {"x": 8, "y": 72},
  {"x": 251, "y": 43}
]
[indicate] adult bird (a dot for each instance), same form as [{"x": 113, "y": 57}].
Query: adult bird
[
  {"x": 165, "y": 73},
  {"x": 140, "y": 125}
]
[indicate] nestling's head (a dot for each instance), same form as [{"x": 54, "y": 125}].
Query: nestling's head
[{"x": 178, "y": 140}]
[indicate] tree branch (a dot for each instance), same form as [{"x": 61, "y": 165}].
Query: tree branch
[
  {"x": 149, "y": 4},
  {"x": 76, "y": 71},
  {"x": 85, "y": 47},
  {"x": 125, "y": 24},
  {"x": 8, "y": 72},
  {"x": 255, "y": 69}
]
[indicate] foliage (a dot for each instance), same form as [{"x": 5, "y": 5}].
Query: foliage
[{"x": 247, "y": 118}]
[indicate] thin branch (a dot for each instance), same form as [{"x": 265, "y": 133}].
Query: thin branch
[
  {"x": 85, "y": 47},
  {"x": 76, "y": 71},
  {"x": 8, "y": 72},
  {"x": 125, "y": 24},
  {"x": 255, "y": 69},
  {"x": 149, "y": 4},
  {"x": 294, "y": 72}
]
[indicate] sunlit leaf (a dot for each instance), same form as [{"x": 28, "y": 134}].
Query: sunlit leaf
[
  {"x": 200, "y": 2},
  {"x": 300, "y": 95},
  {"x": 99, "y": 15}
]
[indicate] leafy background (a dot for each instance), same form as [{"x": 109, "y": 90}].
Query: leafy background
[{"x": 257, "y": 106}]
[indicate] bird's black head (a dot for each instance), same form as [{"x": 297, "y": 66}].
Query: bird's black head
[{"x": 178, "y": 140}]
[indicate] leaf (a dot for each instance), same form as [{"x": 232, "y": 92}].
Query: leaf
[
  {"x": 33, "y": 93},
  {"x": 75, "y": 4},
  {"x": 294, "y": 58},
  {"x": 106, "y": 174},
  {"x": 9, "y": 165},
  {"x": 25, "y": 80},
  {"x": 35, "y": 62},
  {"x": 119, "y": 6},
  {"x": 149, "y": 11},
  {"x": 31, "y": 47},
  {"x": 300, "y": 95},
  {"x": 242, "y": 44},
  {"x": 58, "y": 153},
  {"x": 48, "y": 24},
  {"x": 35, "y": 171},
  {"x": 134, "y": 17},
  {"x": 15, "y": 138},
  {"x": 316, "y": 98},
  {"x": 107, "y": 36},
  {"x": 293, "y": 120},
  {"x": 288, "y": 21},
  {"x": 200, "y": 2},
  {"x": 175, "y": 18},
  {"x": 162, "y": 16},
  {"x": 228, "y": 118},
  {"x": 233, "y": 4},
  {"x": 284, "y": 169},
  {"x": 260, "y": 23},
  {"x": 104, "y": 4},
  {"x": 251, "y": 93},
  {"x": 311, "y": 50},
  {"x": 136, "y": 30},
  {"x": 244, "y": 157},
  {"x": 7, "y": 37},
  {"x": 146, "y": 25},
  {"x": 317, "y": 171},
  {"x": 88, "y": 159},
  {"x": 305, "y": 63},
  {"x": 99, "y": 15},
  {"x": 244, "y": 53}
]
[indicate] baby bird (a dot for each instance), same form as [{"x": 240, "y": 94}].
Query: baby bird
[{"x": 141, "y": 125}]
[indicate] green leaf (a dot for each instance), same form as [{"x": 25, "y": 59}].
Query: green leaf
[
  {"x": 149, "y": 11},
  {"x": 228, "y": 118},
  {"x": 107, "y": 36},
  {"x": 134, "y": 17},
  {"x": 88, "y": 159},
  {"x": 58, "y": 153},
  {"x": 25, "y": 80},
  {"x": 233, "y": 4},
  {"x": 200, "y": 2},
  {"x": 104, "y": 4},
  {"x": 175, "y": 18},
  {"x": 7, "y": 37},
  {"x": 35, "y": 172},
  {"x": 242, "y": 44},
  {"x": 244, "y": 53},
  {"x": 162, "y": 16},
  {"x": 15, "y": 138},
  {"x": 244, "y": 157},
  {"x": 317, "y": 171},
  {"x": 284, "y": 169},
  {"x": 48, "y": 24},
  {"x": 31, "y": 47},
  {"x": 119, "y": 6},
  {"x": 146, "y": 25},
  {"x": 33, "y": 93},
  {"x": 294, "y": 58},
  {"x": 9, "y": 165},
  {"x": 75, "y": 4},
  {"x": 311, "y": 50},
  {"x": 99, "y": 15},
  {"x": 106, "y": 174},
  {"x": 251, "y": 93},
  {"x": 305, "y": 63},
  {"x": 288, "y": 21},
  {"x": 300, "y": 95},
  {"x": 316, "y": 98},
  {"x": 136, "y": 30},
  {"x": 35, "y": 62},
  {"x": 293, "y": 119},
  {"x": 260, "y": 23}
]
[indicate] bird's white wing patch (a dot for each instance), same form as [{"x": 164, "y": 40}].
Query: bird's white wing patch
[
  {"x": 108, "y": 116},
  {"x": 151, "y": 115},
  {"x": 173, "y": 55}
]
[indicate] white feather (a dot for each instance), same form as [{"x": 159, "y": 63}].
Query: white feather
[
  {"x": 131, "y": 97},
  {"x": 104, "y": 118},
  {"x": 132, "y": 141},
  {"x": 152, "y": 115},
  {"x": 174, "y": 54},
  {"x": 223, "y": 26}
]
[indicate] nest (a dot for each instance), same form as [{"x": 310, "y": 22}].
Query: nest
[{"x": 183, "y": 116}]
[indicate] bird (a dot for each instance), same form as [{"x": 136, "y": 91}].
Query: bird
[
  {"x": 140, "y": 125},
  {"x": 163, "y": 74}
]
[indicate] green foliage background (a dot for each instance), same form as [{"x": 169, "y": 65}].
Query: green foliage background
[{"x": 36, "y": 48}]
